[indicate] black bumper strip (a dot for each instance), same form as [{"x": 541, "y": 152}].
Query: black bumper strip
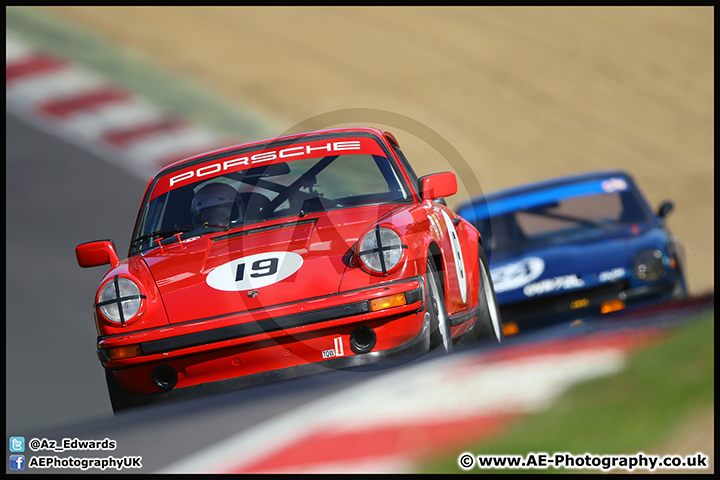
[
  {"x": 464, "y": 317},
  {"x": 413, "y": 296},
  {"x": 557, "y": 308},
  {"x": 253, "y": 328},
  {"x": 262, "y": 326}
]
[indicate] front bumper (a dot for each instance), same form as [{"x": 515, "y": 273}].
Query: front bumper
[
  {"x": 248, "y": 347},
  {"x": 417, "y": 346},
  {"x": 571, "y": 306}
]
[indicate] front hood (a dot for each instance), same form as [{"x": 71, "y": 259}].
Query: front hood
[
  {"x": 260, "y": 266},
  {"x": 550, "y": 269}
]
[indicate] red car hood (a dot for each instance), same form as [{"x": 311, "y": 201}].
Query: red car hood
[{"x": 263, "y": 265}]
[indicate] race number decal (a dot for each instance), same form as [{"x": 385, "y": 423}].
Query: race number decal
[
  {"x": 457, "y": 255},
  {"x": 254, "y": 271},
  {"x": 517, "y": 274}
]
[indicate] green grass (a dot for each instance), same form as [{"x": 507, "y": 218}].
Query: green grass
[{"x": 623, "y": 414}]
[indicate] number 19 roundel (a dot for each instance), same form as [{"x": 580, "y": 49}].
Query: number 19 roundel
[{"x": 254, "y": 271}]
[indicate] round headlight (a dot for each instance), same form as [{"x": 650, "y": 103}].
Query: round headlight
[
  {"x": 381, "y": 250},
  {"x": 648, "y": 265},
  {"x": 119, "y": 300}
]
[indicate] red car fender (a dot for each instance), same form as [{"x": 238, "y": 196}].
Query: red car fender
[
  {"x": 412, "y": 224},
  {"x": 456, "y": 238},
  {"x": 153, "y": 315},
  {"x": 423, "y": 230},
  {"x": 470, "y": 238}
]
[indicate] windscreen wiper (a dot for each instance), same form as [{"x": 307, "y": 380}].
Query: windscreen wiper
[{"x": 162, "y": 234}]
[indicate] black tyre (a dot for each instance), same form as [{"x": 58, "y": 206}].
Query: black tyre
[
  {"x": 119, "y": 398},
  {"x": 436, "y": 309},
  {"x": 680, "y": 290},
  {"x": 488, "y": 326}
]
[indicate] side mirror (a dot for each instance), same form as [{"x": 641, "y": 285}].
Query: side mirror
[
  {"x": 94, "y": 254},
  {"x": 665, "y": 209},
  {"x": 438, "y": 185}
]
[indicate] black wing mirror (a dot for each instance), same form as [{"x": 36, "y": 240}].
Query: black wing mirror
[{"x": 665, "y": 209}]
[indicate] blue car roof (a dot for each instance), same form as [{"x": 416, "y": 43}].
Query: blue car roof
[{"x": 538, "y": 193}]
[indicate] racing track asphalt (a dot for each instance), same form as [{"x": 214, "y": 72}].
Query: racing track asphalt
[{"x": 57, "y": 196}]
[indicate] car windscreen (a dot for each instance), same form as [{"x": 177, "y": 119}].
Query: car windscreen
[
  {"x": 271, "y": 191},
  {"x": 555, "y": 220}
]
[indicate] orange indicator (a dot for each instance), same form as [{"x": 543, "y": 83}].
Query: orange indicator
[
  {"x": 612, "y": 306},
  {"x": 397, "y": 300},
  {"x": 510, "y": 328},
  {"x": 127, "y": 351}
]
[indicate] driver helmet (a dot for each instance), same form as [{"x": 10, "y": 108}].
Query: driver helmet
[{"x": 214, "y": 198}]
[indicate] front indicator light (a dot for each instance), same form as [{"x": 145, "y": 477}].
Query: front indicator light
[
  {"x": 581, "y": 303},
  {"x": 510, "y": 328},
  {"x": 612, "y": 306},
  {"x": 127, "y": 351},
  {"x": 382, "y": 303}
]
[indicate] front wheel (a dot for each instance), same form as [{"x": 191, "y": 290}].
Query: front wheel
[
  {"x": 119, "y": 398},
  {"x": 488, "y": 326}
]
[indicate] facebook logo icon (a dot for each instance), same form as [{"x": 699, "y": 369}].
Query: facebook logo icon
[{"x": 17, "y": 462}]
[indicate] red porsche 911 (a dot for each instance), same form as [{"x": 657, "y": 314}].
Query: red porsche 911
[{"x": 285, "y": 257}]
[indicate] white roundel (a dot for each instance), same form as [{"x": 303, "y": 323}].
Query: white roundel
[
  {"x": 254, "y": 271},
  {"x": 517, "y": 274},
  {"x": 457, "y": 255}
]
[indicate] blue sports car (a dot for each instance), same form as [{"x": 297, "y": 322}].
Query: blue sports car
[{"x": 574, "y": 247}]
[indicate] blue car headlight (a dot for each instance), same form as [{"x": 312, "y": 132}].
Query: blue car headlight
[{"x": 649, "y": 265}]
